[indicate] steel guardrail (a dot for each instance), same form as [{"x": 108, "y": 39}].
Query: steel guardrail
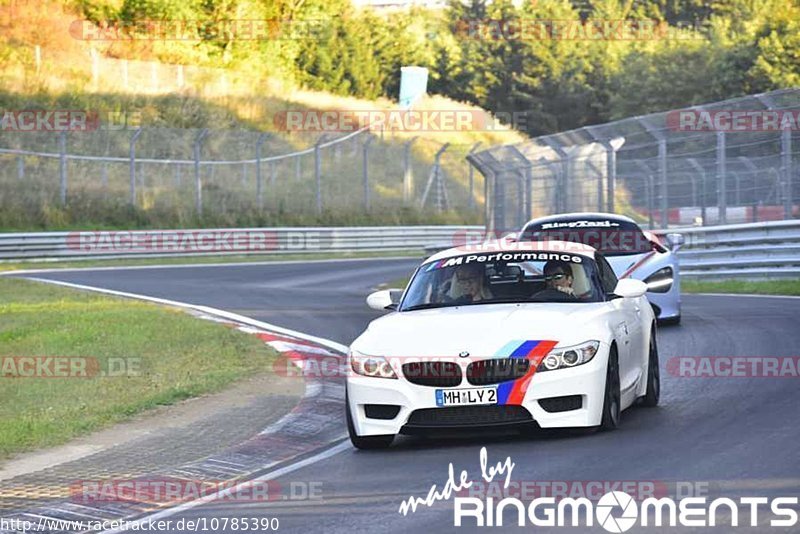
[
  {"x": 80, "y": 245},
  {"x": 746, "y": 251},
  {"x": 753, "y": 250}
]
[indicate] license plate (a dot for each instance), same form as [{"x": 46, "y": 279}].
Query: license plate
[{"x": 453, "y": 397}]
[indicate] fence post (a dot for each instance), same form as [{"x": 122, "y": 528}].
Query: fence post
[
  {"x": 611, "y": 146},
  {"x": 471, "y": 200},
  {"x": 522, "y": 197},
  {"x": 722, "y": 179},
  {"x": 703, "y": 200},
  {"x": 528, "y": 193},
  {"x": 297, "y": 169},
  {"x": 435, "y": 180},
  {"x": 259, "y": 184},
  {"x": 198, "y": 183},
  {"x": 702, "y": 172},
  {"x": 650, "y": 203},
  {"x": 500, "y": 204},
  {"x": 662, "y": 175},
  {"x": 600, "y": 189},
  {"x": 365, "y": 163},
  {"x": 648, "y": 190},
  {"x": 562, "y": 186},
  {"x": 132, "y": 164},
  {"x": 788, "y": 172},
  {"x": 318, "y": 171},
  {"x": 611, "y": 179},
  {"x": 408, "y": 178},
  {"x": 62, "y": 145},
  {"x": 597, "y": 172},
  {"x": 489, "y": 183},
  {"x": 20, "y": 167}
]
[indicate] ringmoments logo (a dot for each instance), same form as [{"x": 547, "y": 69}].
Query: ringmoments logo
[
  {"x": 615, "y": 511},
  {"x": 616, "y": 500}
]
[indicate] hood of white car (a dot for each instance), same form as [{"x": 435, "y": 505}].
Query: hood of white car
[{"x": 481, "y": 330}]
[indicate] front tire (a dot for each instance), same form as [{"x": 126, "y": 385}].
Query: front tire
[
  {"x": 365, "y": 442},
  {"x": 611, "y": 399},
  {"x": 653, "y": 392},
  {"x": 670, "y": 321}
]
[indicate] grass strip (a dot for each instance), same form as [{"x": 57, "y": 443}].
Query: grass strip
[{"x": 135, "y": 356}]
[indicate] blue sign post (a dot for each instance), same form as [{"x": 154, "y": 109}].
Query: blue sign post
[{"x": 413, "y": 84}]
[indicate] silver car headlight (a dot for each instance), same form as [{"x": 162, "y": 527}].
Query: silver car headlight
[
  {"x": 372, "y": 366},
  {"x": 660, "y": 281},
  {"x": 565, "y": 357}
]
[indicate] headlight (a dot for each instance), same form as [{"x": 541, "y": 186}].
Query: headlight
[
  {"x": 660, "y": 281},
  {"x": 564, "y": 357},
  {"x": 374, "y": 366}
]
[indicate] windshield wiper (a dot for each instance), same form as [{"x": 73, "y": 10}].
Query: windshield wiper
[{"x": 426, "y": 306}]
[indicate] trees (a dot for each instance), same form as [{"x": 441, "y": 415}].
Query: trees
[{"x": 725, "y": 48}]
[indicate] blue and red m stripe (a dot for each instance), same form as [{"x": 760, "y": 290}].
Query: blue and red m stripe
[{"x": 513, "y": 391}]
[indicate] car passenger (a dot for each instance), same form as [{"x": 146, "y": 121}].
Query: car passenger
[{"x": 468, "y": 284}]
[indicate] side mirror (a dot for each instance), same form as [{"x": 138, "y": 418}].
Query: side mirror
[
  {"x": 676, "y": 241},
  {"x": 630, "y": 288},
  {"x": 386, "y": 299},
  {"x": 511, "y": 237}
]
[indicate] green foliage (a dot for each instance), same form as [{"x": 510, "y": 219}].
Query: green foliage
[
  {"x": 134, "y": 10},
  {"x": 777, "y": 63},
  {"x": 710, "y": 50}
]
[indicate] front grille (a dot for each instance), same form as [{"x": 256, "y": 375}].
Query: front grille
[
  {"x": 434, "y": 374},
  {"x": 381, "y": 411},
  {"x": 486, "y": 372},
  {"x": 561, "y": 404},
  {"x": 465, "y": 416}
]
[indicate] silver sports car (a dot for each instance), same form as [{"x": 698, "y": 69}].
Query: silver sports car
[{"x": 631, "y": 251}]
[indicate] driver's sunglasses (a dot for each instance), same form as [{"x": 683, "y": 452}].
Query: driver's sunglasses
[{"x": 559, "y": 276}]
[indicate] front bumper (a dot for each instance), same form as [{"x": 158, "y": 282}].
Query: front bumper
[
  {"x": 586, "y": 381},
  {"x": 667, "y": 305}
]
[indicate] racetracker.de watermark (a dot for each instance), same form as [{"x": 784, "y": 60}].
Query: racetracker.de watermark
[
  {"x": 308, "y": 365},
  {"x": 191, "y": 241},
  {"x": 200, "y": 30},
  {"x": 442, "y": 120},
  {"x": 68, "y": 367},
  {"x": 730, "y": 120},
  {"x": 567, "y": 239},
  {"x": 67, "y": 120},
  {"x": 165, "y": 490},
  {"x": 734, "y": 366},
  {"x": 529, "y": 29},
  {"x": 588, "y": 489}
]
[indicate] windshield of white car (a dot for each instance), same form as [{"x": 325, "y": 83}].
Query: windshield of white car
[
  {"x": 488, "y": 279},
  {"x": 610, "y": 237}
]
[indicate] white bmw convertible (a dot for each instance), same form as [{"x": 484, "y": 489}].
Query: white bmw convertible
[{"x": 503, "y": 334}]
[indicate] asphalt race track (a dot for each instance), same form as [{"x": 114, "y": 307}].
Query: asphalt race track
[{"x": 734, "y": 436}]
